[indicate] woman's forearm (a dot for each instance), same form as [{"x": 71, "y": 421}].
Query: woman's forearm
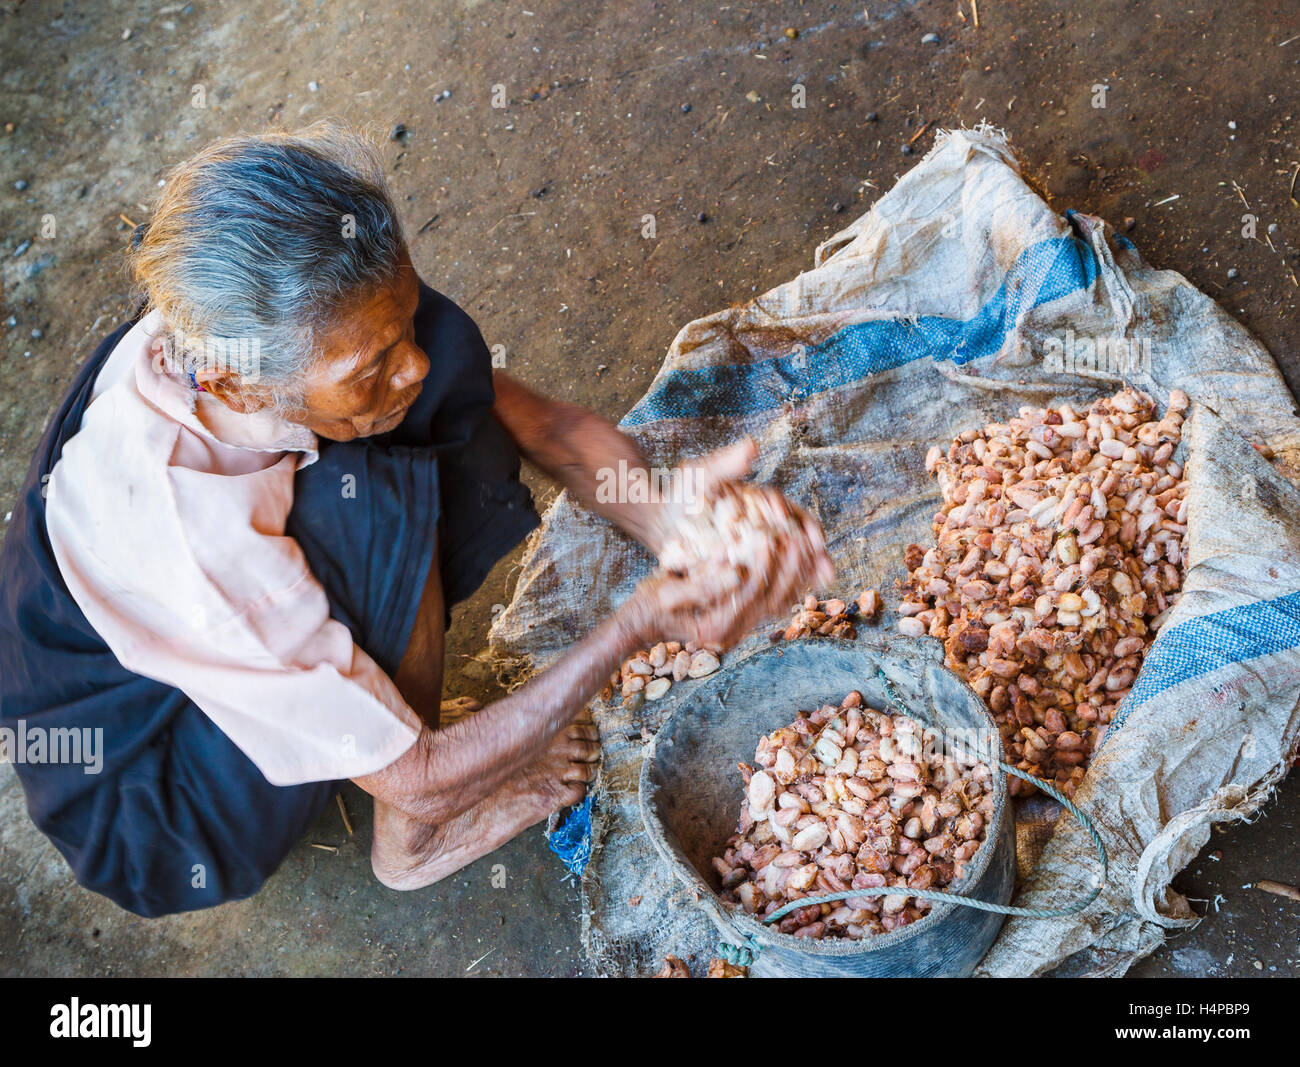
[
  {"x": 448, "y": 771},
  {"x": 588, "y": 455}
]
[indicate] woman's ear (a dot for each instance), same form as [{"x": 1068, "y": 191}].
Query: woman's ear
[{"x": 227, "y": 388}]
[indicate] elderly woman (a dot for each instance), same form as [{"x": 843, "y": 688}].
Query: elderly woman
[{"x": 235, "y": 554}]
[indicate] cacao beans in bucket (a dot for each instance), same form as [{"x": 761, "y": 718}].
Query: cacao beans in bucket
[{"x": 691, "y": 790}]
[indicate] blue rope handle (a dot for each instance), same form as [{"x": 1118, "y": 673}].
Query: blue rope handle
[
  {"x": 739, "y": 955},
  {"x": 954, "y": 898}
]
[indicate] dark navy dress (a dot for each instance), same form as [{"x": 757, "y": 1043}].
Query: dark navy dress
[{"x": 179, "y": 818}]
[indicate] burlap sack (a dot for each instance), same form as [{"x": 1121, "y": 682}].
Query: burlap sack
[{"x": 957, "y": 298}]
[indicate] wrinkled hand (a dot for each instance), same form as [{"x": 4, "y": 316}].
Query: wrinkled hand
[
  {"x": 782, "y": 570},
  {"x": 673, "y": 606},
  {"x": 718, "y": 604}
]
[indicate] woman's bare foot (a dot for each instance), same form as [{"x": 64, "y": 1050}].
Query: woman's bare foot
[{"x": 408, "y": 854}]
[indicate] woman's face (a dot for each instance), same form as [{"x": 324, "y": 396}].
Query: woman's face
[
  {"x": 368, "y": 372},
  {"x": 370, "y": 369}
]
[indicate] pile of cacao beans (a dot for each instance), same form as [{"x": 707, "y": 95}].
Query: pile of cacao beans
[
  {"x": 675, "y": 967},
  {"x": 1059, "y": 550},
  {"x": 830, "y": 618},
  {"x": 850, "y": 798},
  {"x": 650, "y": 673},
  {"x": 821, "y": 618}
]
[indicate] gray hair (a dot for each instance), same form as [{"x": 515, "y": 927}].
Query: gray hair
[{"x": 264, "y": 240}]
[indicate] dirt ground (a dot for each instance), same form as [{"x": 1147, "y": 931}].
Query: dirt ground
[{"x": 529, "y": 215}]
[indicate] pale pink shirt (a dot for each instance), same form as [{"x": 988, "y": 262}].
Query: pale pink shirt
[{"x": 166, "y": 513}]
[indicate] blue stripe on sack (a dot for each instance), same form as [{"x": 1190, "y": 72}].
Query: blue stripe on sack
[
  {"x": 1044, "y": 272},
  {"x": 1201, "y": 645}
]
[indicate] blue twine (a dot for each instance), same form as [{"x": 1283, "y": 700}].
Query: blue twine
[{"x": 571, "y": 838}]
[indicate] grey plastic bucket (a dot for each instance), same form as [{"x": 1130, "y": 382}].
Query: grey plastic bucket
[{"x": 691, "y": 793}]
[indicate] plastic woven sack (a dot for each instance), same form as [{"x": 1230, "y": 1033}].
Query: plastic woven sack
[{"x": 959, "y": 297}]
